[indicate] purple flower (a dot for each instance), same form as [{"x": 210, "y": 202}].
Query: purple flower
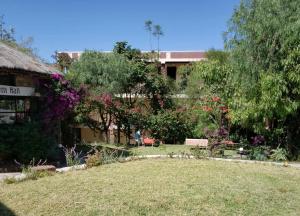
[
  {"x": 222, "y": 132},
  {"x": 56, "y": 76},
  {"x": 258, "y": 139}
]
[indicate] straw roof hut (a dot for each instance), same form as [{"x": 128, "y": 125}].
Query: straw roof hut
[{"x": 12, "y": 59}]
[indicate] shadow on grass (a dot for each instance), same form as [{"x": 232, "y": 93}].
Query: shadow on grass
[{"x": 5, "y": 211}]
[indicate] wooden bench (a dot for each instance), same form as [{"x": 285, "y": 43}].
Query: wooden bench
[{"x": 201, "y": 143}]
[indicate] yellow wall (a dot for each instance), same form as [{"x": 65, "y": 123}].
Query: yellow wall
[{"x": 89, "y": 136}]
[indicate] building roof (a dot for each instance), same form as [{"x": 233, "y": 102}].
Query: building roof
[
  {"x": 12, "y": 58},
  {"x": 165, "y": 56},
  {"x": 181, "y": 56}
]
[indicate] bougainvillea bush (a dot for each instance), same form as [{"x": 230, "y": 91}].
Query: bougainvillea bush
[{"x": 60, "y": 98}]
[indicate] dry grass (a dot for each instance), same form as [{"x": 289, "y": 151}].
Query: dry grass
[{"x": 160, "y": 187}]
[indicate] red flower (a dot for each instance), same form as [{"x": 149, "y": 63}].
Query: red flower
[
  {"x": 224, "y": 109},
  {"x": 207, "y": 108},
  {"x": 216, "y": 99}
]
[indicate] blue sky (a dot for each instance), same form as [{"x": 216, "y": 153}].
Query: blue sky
[{"x": 97, "y": 24}]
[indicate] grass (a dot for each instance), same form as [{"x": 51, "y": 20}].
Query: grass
[
  {"x": 159, "y": 187},
  {"x": 164, "y": 149},
  {"x": 161, "y": 150}
]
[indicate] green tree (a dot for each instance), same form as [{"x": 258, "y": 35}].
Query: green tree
[
  {"x": 63, "y": 60},
  {"x": 102, "y": 74},
  {"x": 209, "y": 90},
  {"x": 184, "y": 72},
  {"x": 6, "y": 34},
  {"x": 148, "y": 27},
  {"x": 263, "y": 39},
  {"x": 157, "y": 32}
]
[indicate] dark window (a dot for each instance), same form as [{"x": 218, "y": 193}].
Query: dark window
[
  {"x": 171, "y": 72},
  {"x": 7, "y": 80}
]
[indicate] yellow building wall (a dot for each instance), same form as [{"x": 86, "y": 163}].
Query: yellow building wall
[{"x": 89, "y": 136}]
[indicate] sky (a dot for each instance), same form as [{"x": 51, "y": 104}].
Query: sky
[{"x": 75, "y": 25}]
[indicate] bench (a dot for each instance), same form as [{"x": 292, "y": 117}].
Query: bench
[
  {"x": 201, "y": 143},
  {"x": 148, "y": 141}
]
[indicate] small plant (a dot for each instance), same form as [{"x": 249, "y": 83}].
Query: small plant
[
  {"x": 28, "y": 172},
  {"x": 279, "y": 154},
  {"x": 171, "y": 154},
  {"x": 109, "y": 156},
  {"x": 72, "y": 157},
  {"x": 217, "y": 150},
  {"x": 199, "y": 153},
  {"x": 103, "y": 156},
  {"x": 156, "y": 143},
  {"x": 93, "y": 159},
  {"x": 260, "y": 153}
]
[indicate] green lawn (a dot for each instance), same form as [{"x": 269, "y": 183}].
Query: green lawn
[
  {"x": 164, "y": 149},
  {"x": 160, "y": 187},
  {"x": 160, "y": 150}
]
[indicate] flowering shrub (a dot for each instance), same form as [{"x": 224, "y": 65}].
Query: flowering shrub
[
  {"x": 258, "y": 140},
  {"x": 212, "y": 118},
  {"x": 60, "y": 98}
]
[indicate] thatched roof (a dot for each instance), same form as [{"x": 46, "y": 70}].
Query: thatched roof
[{"x": 11, "y": 58}]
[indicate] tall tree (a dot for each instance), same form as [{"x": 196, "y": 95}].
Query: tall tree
[
  {"x": 101, "y": 73},
  {"x": 148, "y": 27},
  {"x": 263, "y": 38},
  {"x": 6, "y": 34},
  {"x": 63, "y": 60},
  {"x": 157, "y": 32}
]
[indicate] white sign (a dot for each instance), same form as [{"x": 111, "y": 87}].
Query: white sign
[{"x": 16, "y": 91}]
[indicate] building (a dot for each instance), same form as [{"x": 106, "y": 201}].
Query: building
[
  {"x": 19, "y": 77},
  {"x": 170, "y": 60}
]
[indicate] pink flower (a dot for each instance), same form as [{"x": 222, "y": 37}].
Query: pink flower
[{"x": 56, "y": 76}]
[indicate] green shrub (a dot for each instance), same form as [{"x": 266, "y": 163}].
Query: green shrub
[
  {"x": 103, "y": 156},
  {"x": 199, "y": 153},
  {"x": 217, "y": 150},
  {"x": 156, "y": 143},
  {"x": 170, "y": 126},
  {"x": 22, "y": 142},
  {"x": 279, "y": 154},
  {"x": 260, "y": 153}
]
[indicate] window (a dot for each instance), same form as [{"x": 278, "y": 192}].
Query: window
[
  {"x": 7, "y": 80},
  {"x": 14, "y": 110},
  {"x": 171, "y": 72}
]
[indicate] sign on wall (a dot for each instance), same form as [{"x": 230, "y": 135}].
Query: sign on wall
[{"x": 16, "y": 91}]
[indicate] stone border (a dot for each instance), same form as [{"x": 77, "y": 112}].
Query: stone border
[
  {"x": 21, "y": 176},
  {"x": 71, "y": 168}
]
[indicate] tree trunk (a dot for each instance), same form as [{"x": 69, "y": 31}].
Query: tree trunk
[{"x": 293, "y": 135}]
